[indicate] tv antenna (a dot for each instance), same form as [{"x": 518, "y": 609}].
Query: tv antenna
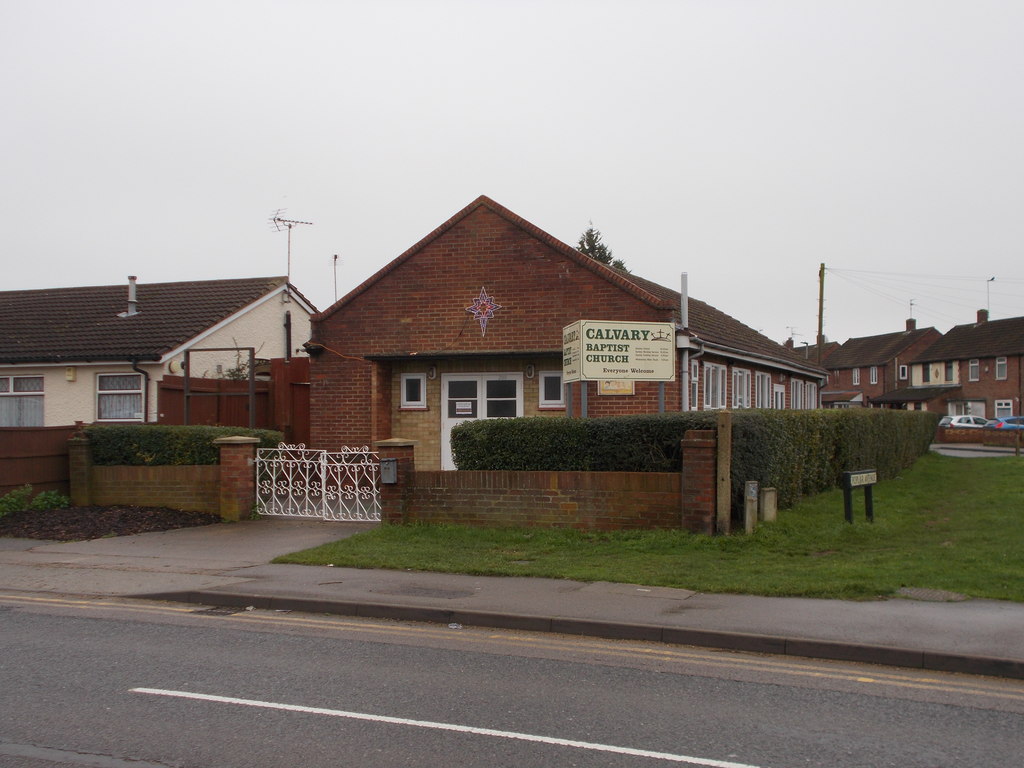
[{"x": 276, "y": 218}]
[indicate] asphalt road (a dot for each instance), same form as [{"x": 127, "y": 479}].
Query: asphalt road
[{"x": 112, "y": 684}]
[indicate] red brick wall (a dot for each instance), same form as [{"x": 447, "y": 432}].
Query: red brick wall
[
  {"x": 583, "y": 500},
  {"x": 195, "y": 489}
]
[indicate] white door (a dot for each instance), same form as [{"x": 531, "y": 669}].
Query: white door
[
  {"x": 469, "y": 396},
  {"x": 779, "y": 396}
]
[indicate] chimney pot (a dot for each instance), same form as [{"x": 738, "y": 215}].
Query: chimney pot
[
  {"x": 982, "y": 315},
  {"x": 911, "y": 324}
]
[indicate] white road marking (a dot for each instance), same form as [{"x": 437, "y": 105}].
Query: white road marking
[{"x": 447, "y": 727}]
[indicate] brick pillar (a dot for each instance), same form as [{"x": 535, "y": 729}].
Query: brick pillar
[
  {"x": 237, "y": 476},
  {"x": 393, "y": 496},
  {"x": 80, "y": 468},
  {"x": 699, "y": 481}
]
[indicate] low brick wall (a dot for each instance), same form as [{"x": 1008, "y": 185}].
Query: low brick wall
[
  {"x": 193, "y": 489},
  {"x": 584, "y": 500},
  {"x": 227, "y": 489},
  {"x": 1002, "y": 437}
]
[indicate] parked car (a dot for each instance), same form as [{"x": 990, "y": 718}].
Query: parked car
[
  {"x": 972, "y": 422},
  {"x": 1010, "y": 422}
]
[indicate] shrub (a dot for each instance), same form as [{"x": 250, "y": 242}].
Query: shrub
[
  {"x": 50, "y": 500},
  {"x": 15, "y": 501},
  {"x": 161, "y": 444}
]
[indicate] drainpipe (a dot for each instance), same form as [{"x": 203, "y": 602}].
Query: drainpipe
[
  {"x": 684, "y": 323},
  {"x": 145, "y": 389},
  {"x": 287, "y": 335}
]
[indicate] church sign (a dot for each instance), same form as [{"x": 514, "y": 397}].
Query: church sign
[{"x": 608, "y": 350}]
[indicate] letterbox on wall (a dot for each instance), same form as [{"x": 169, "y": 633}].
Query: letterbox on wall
[{"x": 389, "y": 471}]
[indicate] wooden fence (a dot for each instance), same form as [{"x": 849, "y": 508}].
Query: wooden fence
[{"x": 36, "y": 456}]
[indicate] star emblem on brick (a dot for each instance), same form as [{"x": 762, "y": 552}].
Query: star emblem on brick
[{"x": 483, "y": 309}]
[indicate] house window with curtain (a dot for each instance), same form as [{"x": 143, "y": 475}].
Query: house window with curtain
[
  {"x": 694, "y": 384},
  {"x": 874, "y": 374},
  {"x": 856, "y": 377},
  {"x": 119, "y": 397},
  {"x": 714, "y": 386},
  {"x": 796, "y": 395},
  {"x": 740, "y": 388},
  {"x": 973, "y": 370},
  {"x": 21, "y": 401},
  {"x": 1001, "y": 368},
  {"x": 763, "y": 390}
]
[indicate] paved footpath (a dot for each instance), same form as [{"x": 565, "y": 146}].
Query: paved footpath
[{"x": 229, "y": 565}]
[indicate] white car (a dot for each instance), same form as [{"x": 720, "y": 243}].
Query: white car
[{"x": 972, "y": 422}]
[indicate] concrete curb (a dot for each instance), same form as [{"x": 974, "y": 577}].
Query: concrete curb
[{"x": 733, "y": 641}]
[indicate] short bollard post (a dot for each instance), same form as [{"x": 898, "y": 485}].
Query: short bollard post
[{"x": 750, "y": 506}]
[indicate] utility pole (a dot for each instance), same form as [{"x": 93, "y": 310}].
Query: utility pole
[{"x": 821, "y": 309}]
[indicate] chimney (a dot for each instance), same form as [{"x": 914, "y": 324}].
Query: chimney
[
  {"x": 789, "y": 343},
  {"x": 911, "y": 324},
  {"x": 982, "y": 316},
  {"x": 133, "y": 304}
]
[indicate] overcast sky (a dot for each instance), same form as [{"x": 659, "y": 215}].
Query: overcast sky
[{"x": 742, "y": 142}]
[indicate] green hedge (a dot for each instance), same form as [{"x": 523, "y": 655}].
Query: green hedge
[
  {"x": 620, "y": 443},
  {"x": 798, "y": 452},
  {"x": 159, "y": 444},
  {"x": 802, "y": 453}
]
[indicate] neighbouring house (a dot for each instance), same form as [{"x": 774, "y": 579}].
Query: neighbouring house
[
  {"x": 98, "y": 353},
  {"x": 865, "y": 369},
  {"x": 467, "y": 324},
  {"x": 973, "y": 369}
]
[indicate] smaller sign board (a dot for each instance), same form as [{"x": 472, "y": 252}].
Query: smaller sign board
[{"x": 859, "y": 479}]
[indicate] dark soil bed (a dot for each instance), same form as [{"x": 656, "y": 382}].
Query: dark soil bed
[{"x": 78, "y": 523}]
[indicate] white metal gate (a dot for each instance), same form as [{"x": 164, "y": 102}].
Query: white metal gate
[{"x": 294, "y": 481}]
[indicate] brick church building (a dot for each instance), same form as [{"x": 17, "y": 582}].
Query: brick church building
[{"x": 467, "y": 324}]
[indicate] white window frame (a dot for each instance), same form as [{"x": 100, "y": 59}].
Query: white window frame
[
  {"x": 545, "y": 404},
  {"x": 1000, "y": 369},
  {"x": 100, "y": 393},
  {"x": 856, "y": 377},
  {"x": 762, "y": 390},
  {"x": 904, "y": 372},
  {"x": 9, "y": 390},
  {"x": 1003, "y": 409},
  {"x": 740, "y": 388},
  {"x": 715, "y": 383},
  {"x": 694, "y": 385},
  {"x": 873, "y": 374},
  {"x": 811, "y": 396},
  {"x": 974, "y": 370},
  {"x": 408, "y": 404},
  {"x": 796, "y": 394}
]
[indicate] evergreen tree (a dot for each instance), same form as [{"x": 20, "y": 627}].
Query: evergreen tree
[{"x": 590, "y": 243}]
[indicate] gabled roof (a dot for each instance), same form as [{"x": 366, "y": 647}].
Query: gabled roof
[
  {"x": 993, "y": 338},
  {"x": 873, "y": 350},
  {"x": 708, "y": 324},
  {"x": 84, "y": 324},
  {"x": 613, "y": 275}
]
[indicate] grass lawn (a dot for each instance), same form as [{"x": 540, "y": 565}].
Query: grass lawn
[{"x": 947, "y": 523}]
